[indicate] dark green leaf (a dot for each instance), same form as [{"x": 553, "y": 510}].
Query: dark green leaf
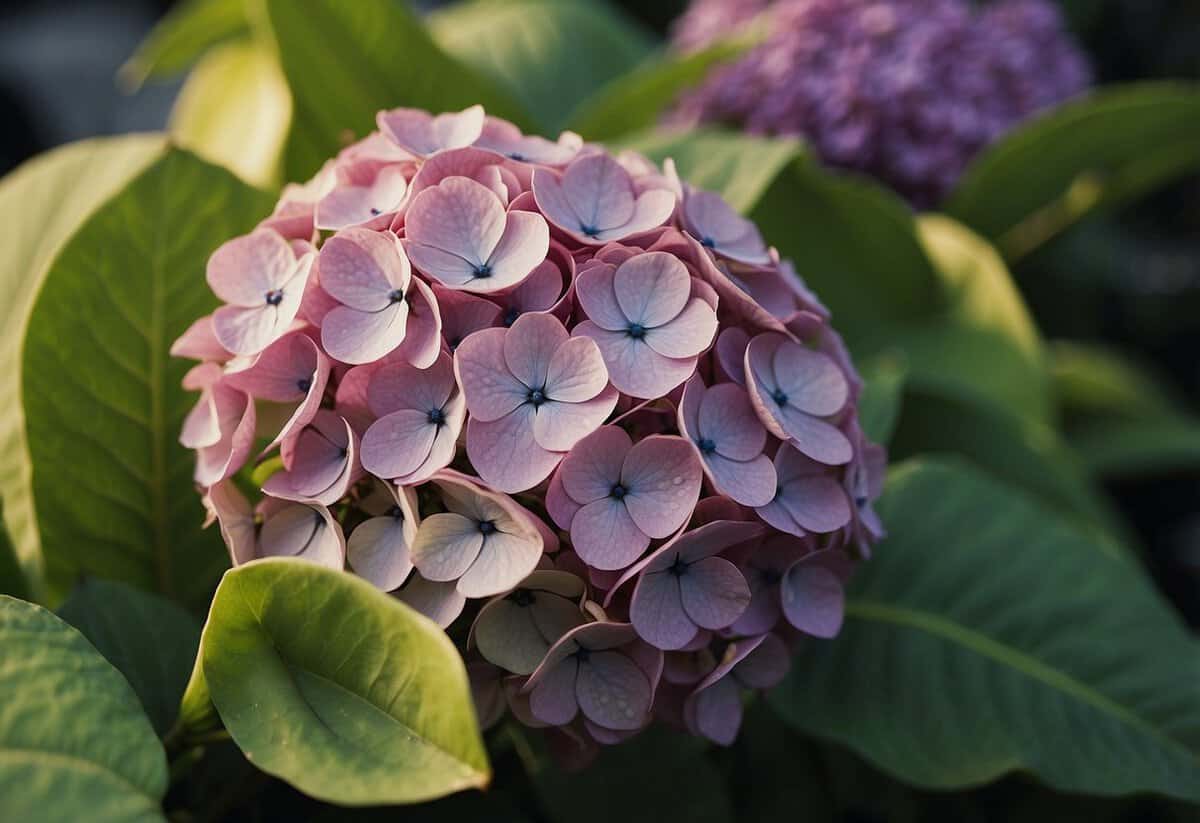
[
  {"x": 338, "y": 688},
  {"x": 879, "y": 404},
  {"x": 986, "y": 636},
  {"x": 551, "y": 55},
  {"x": 1110, "y": 146},
  {"x": 345, "y": 61},
  {"x": 182, "y": 36},
  {"x": 12, "y": 579},
  {"x": 102, "y": 397},
  {"x": 74, "y": 742},
  {"x": 150, "y": 640},
  {"x": 42, "y": 204}
]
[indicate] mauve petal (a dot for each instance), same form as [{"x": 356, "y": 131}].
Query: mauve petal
[
  {"x": 503, "y": 562},
  {"x": 505, "y": 454},
  {"x": 600, "y": 192},
  {"x": 821, "y": 441},
  {"x": 688, "y": 334},
  {"x": 322, "y": 462},
  {"x": 438, "y": 601},
  {"x": 522, "y": 246},
  {"x": 765, "y": 666},
  {"x": 506, "y": 635},
  {"x": 378, "y": 552},
  {"x": 285, "y": 372},
  {"x": 559, "y": 504},
  {"x": 594, "y": 290},
  {"x": 529, "y": 346},
  {"x": 728, "y": 420},
  {"x": 704, "y": 541},
  {"x": 358, "y": 337},
  {"x": 656, "y": 611},
  {"x": 812, "y": 381},
  {"x": 714, "y": 593},
  {"x": 559, "y": 426},
  {"x": 445, "y": 444},
  {"x": 605, "y": 536},
  {"x": 651, "y": 209},
  {"x": 635, "y": 368},
  {"x": 237, "y": 421},
  {"x": 576, "y": 370},
  {"x": 423, "y": 327},
  {"x": 688, "y": 415},
  {"x": 446, "y": 545},
  {"x": 352, "y": 205},
  {"x": 242, "y": 270},
  {"x": 449, "y": 270},
  {"x": 764, "y": 609},
  {"x": 818, "y": 504},
  {"x": 662, "y": 477},
  {"x": 751, "y": 483},
  {"x": 235, "y": 519},
  {"x": 490, "y": 388},
  {"x": 731, "y": 352},
  {"x": 304, "y": 531},
  {"x": 396, "y": 386},
  {"x": 613, "y": 692},
  {"x": 594, "y": 465},
  {"x": 652, "y": 288},
  {"x": 715, "y": 712},
  {"x": 464, "y": 314},
  {"x": 504, "y": 138},
  {"x": 813, "y": 599},
  {"x": 553, "y": 699},
  {"x": 360, "y": 268},
  {"x": 711, "y": 220},
  {"x": 552, "y": 201},
  {"x": 423, "y": 134},
  {"x": 458, "y": 217},
  {"x": 539, "y": 291},
  {"x": 398, "y": 443},
  {"x": 776, "y": 514}
]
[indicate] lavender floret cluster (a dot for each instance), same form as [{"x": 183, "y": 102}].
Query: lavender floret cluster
[{"x": 907, "y": 91}]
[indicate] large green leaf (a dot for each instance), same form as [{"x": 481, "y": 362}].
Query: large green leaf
[
  {"x": 150, "y": 640},
  {"x": 74, "y": 743},
  {"x": 338, "y": 688},
  {"x": 12, "y": 579},
  {"x": 987, "y": 636},
  {"x": 551, "y": 55},
  {"x": 1109, "y": 146},
  {"x": 41, "y": 204},
  {"x": 344, "y": 61},
  {"x": 1138, "y": 448},
  {"x": 635, "y": 100},
  {"x": 235, "y": 110},
  {"x": 882, "y": 396},
  {"x": 103, "y": 404},
  {"x": 182, "y": 36}
]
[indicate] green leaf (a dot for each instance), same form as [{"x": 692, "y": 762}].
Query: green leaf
[
  {"x": 659, "y": 775},
  {"x": 345, "y": 61},
  {"x": 339, "y": 689},
  {"x": 181, "y": 37},
  {"x": 148, "y": 639},
  {"x": 1139, "y": 448},
  {"x": 12, "y": 579},
  {"x": 1092, "y": 380},
  {"x": 986, "y": 636},
  {"x": 235, "y": 110},
  {"x": 74, "y": 743},
  {"x": 42, "y": 203},
  {"x": 882, "y": 396},
  {"x": 635, "y": 100},
  {"x": 1110, "y": 146},
  {"x": 103, "y": 404},
  {"x": 551, "y": 55}
]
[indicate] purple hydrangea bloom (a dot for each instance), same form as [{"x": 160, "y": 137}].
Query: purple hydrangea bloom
[{"x": 907, "y": 91}]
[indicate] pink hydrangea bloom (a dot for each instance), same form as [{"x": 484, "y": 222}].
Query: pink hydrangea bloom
[{"x": 562, "y": 396}]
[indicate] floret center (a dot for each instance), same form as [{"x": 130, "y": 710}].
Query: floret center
[
  {"x": 274, "y": 297},
  {"x": 304, "y": 384},
  {"x": 483, "y": 271},
  {"x": 536, "y": 396},
  {"x": 437, "y": 417},
  {"x": 487, "y": 527},
  {"x": 706, "y": 445},
  {"x": 618, "y": 492},
  {"x": 396, "y": 296},
  {"x": 523, "y": 598},
  {"x": 780, "y": 397},
  {"x": 636, "y": 330}
]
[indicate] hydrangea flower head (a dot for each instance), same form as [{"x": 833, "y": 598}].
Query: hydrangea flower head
[
  {"x": 560, "y": 398},
  {"x": 907, "y": 91}
]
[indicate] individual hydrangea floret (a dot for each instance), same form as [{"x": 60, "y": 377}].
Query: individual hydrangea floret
[
  {"x": 568, "y": 407},
  {"x": 907, "y": 91}
]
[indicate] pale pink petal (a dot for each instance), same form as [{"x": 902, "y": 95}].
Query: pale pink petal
[
  {"x": 605, "y": 536},
  {"x": 559, "y": 426},
  {"x": 236, "y": 420},
  {"x": 731, "y": 352},
  {"x": 490, "y": 388},
  {"x": 688, "y": 334},
  {"x": 398, "y": 443},
  {"x": 394, "y": 386},
  {"x": 559, "y": 504},
  {"x": 812, "y": 381},
  {"x": 600, "y": 192},
  {"x": 358, "y": 337},
  {"x": 593, "y": 466},
  {"x": 466, "y": 162},
  {"x": 552, "y": 201},
  {"x": 612, "y": 691},
  {"x": 202, "y": 426},
  {"x": 652, "y": 208},
  {"x": 538, "y": 292},
  {"x": 751, "y": 483},
  {"x": 635, "y": 368},
  {"x": 286, "y": 371},
  {"x": 423, "y": 134},
  {"x": 243, "y": 270},
  {"x": 353, "y": 205},
  {"x": 235, "y": 519},
  {"x": 656, "y": 611},
  {"x": 529, "y": 346},
  {"x": 439, "y": 601},
  {"x": 652, "y": 288},
  {"x": 505, "y": 454},
  {"x": 305, "y": 531},
  {"x": 504, "y": 138},
  {"x": 576, "y": 370},
  {"x": 247, "y": 331},
  {"x": 364, "y": 269},
  {"x": 594, "y": 289},
  {"x": 661, "y": 476},
  {"x": 714, "y": 592},
  {"x": 321, "y": 462},
  {"x": 728, "y": 420},
  {"x": 445, "y": 546},
  {"x": 378, "y": 551},
  {"x": 503, "y": 562},
  {"x": 813, "y": 599},
  {"x": 464, "y": 314},
  {"x": 522, "y": 246},
  {"x": 446, "y": 268},
  {"x": 200, "y": 342},
  {"x": 459, "y": 218},
  {"x": 717, "y": 226},
  {"x": 445, "y": 444},
  {"x": 423, "y": 327}
]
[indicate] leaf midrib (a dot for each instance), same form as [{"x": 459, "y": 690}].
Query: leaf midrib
[{"x": 1014, "y": 659}]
